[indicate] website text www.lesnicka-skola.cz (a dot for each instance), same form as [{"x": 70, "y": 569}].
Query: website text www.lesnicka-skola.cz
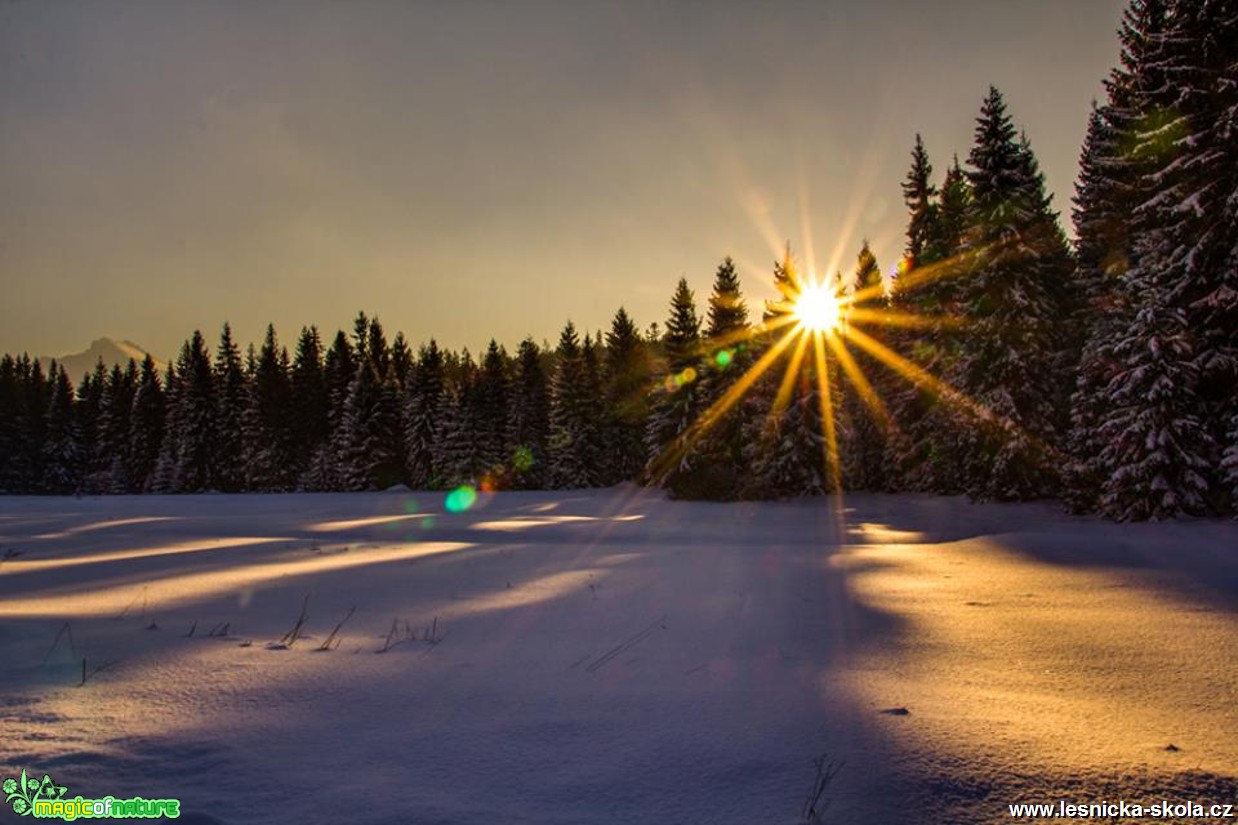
[{"x": 1104, "y": 809}]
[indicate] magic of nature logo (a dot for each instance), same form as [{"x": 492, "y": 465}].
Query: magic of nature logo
[{"x": 44, "y": 799}]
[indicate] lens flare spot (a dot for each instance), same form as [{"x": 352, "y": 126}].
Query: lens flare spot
[
  {"x": 724, "y": 358},
  {"x": 522, "y": 460},
  {"x": 460, "y": 499}
]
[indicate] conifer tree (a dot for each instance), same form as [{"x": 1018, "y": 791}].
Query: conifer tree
[
  {"x": 1168, "y": 409},
  {"x": 194, "y": 418},
  {"x": 591, "y": 354},
  {"x": 570, "y": 431},
  {"x": 111, "y": 461},
  {"x": 676, "y": 404},
  {"x": 490, "y": 398},
  {"x": 87, "y": 411},
  {"x": 266, "y": 420},
  {"x": 371, "y": 456},
  {"x": 719, "y": 453},
  {"x": 785, "y": 450},
  {"x": 422, "y": 419},
  {"x": 455, "y": 455},
  {"x": 163, "y": 478},
  {"x": 528, "y": 423},
  {"x": 864, "y": 453},
  {"x": 146, "y": 424},
  {"x": 339, "y": 368},
  {"x": 920, "y": 194},
  {"x": 626, "y": 406},
  {"x": 61, "y": 460},
  {"x": 1010, "y": 363},
  {"x": 35, "y": 400},
  {"x": 401, "y": 360},
  {"x": 310, "y": 402},
  {"x": 230, "y": 392}
]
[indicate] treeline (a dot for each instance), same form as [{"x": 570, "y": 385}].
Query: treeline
[{"x": 999, "y": 362}]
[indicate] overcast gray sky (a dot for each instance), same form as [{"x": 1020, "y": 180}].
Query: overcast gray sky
[{"x": 475, "y": 169}]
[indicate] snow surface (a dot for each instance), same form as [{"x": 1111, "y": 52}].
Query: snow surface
[{"x": 612, "y": 657}]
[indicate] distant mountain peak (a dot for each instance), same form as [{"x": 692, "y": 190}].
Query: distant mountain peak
[{"x": 109, "y": 350}]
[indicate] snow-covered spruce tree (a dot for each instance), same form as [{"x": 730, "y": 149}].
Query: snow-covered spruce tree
[
  {"x": 401, "y": 360},
  {"x": 62, "y": 462},
  {"x": 1168, "y": 410},
  {"x": 1102, "y": 209},
  {"x": 371, "y": 458},
  {"x": 455, "y": 453},
  {"x": 339, "y": 366},
  {"x": 784, "y": 448},
  {"x": 146, "y": 423},
  {"x": 87, "y": 410},
  {"x": 718, "y": 456},
  {"x": 490, "y": 400},
  {"x": 194, "y": 419},
  {"x": 528, "y": 421},
  {"x": 920, "y": 450},
  {"x": 592, "y": 410},
  {"x": 111, "y": 460},
  {"x": 1111, "y": 183},
  {"x": 228, "y": 456},
  {"x": 570, "y": 430},
  {"x": 24, "y": 399},
  {"x": 920, "y": 195},
  {"x": 38, "y": 396},
  {"x": 309, "y": 402},
  {"x": 422, "y": 411},
  {"x": 162, "y": 479},
  {"x": 266, "y": 420},
  {"x": 863, "y": 454},
  {"x": 10, "y": 424},
  {"x": 626, "y": 407},
  {"x": 1015, "y": 300},
  {"x": 676, "y": 404}
]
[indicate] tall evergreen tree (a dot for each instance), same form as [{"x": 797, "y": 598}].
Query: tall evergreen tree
[
  {"x": 1010, "y": 364},
  {"x": 626, "y": 406},
  {"x": 401, "y": 359},
  {"x": 864, "y": 453},
  {"x": 1169, "y": 407},
  {"x": 310, "y": 402},
  {"x": 194, "y": 418},
  {"x": 339, "y": 368},
  {"x": 455, "y": 457},
  {"x": 528, "y": 423},
  {"x": 371, "y": 456},
  {"x": 570, "y": 431},
  {"x": 719, "y": 453},
  {"x": 676, "y": 404},
  {"x": 111, "y": 461},
  {"x": 490, "y": 400},
  {"x": 62, "y": 462},
  {"x": 785, "y": 449},
  {"x": 230, "y": 396},
  {"x": 87, "y": 411},
  {"x": 163, "y": 478},
  {"x": 146, "y": 425},
  {"x": 422, "y": 418},
  {"x": 920, "y": 194},
  {"x": 266, "y": 419}
]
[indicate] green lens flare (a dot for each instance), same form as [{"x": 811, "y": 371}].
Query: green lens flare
[{"x": 460, "y": 499}]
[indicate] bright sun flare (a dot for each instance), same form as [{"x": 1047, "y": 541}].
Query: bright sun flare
[{"x": 817, "y": 308}]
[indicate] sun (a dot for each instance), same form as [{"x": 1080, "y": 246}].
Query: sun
[{"x": 818, "y": 309}]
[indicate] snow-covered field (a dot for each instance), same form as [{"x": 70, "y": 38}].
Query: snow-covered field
[{"x": 611, "y": 657}]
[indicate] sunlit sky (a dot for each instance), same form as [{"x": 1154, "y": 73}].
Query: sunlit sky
[{"x": 470, "y": 170}]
